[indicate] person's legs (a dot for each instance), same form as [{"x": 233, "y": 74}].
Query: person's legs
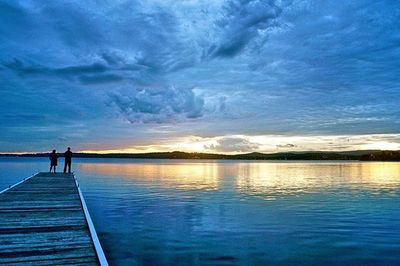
[
  {"x": 65, "y": 166},
  {"x": 50, "y": 168},
  {"x": 55, "y": 169},
  {"x": 69, "y": 167}
]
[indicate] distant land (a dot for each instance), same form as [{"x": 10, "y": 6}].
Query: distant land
[{"x": 363, "y": 155}]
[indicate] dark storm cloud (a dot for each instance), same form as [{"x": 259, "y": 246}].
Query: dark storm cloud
[
  {"x": 21, "y": 69},
  {"x": 93, "y": 73}
]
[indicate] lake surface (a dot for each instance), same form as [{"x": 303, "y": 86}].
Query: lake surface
[{"x": 181, "y": 212}]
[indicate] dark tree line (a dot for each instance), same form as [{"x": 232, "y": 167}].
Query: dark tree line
[{"x": 382, "y": 156}]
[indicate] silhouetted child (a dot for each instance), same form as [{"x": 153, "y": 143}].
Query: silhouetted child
[{"x": 53, "y": 160}]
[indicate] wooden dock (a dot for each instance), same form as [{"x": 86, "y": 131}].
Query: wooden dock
[{"x": 44, "y": 221}]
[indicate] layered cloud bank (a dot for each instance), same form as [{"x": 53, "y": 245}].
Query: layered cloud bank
[
  {"x": 236, "y": 76},
  {"x": 265, "y": 144}
]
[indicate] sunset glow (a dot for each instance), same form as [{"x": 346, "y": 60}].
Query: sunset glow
[{"x": 267, "y": 144}]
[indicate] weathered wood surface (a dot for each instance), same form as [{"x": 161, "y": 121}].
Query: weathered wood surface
[{"x": 42, "y": 222}]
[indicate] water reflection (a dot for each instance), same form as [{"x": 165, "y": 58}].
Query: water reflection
[
  {"x": 179, "y": 175},
  {"x": 268, "y": 179},
  {"x": 160, "y": 212},
  {"x": 277, "y": 179}
]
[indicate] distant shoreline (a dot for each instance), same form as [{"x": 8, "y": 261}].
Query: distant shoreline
[{"x": 367, "y": 155}]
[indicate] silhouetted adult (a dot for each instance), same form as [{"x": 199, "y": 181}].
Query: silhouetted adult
[
  {"x": 53, "y": 160},
  {"x": 68, "y": 159}
]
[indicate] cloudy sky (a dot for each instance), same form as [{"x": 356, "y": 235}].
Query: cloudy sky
[{"x": 195, "y": 75}]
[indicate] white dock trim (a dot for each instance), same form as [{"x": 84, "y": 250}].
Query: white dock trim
[
  {"x": 99, "y": 250},
  {"x": 20, "y": 182}
]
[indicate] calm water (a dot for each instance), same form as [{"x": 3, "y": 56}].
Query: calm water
[{"x": 173, "y": 212}]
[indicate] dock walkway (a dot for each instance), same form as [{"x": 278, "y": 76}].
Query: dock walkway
[{"x": 44, "y": 221}]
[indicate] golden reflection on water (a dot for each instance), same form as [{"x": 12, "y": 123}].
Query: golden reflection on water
[
  {"x": 288, "y": 178},
  {"x": 181, "y": 176},
  {"x": 253, "y": 177}
]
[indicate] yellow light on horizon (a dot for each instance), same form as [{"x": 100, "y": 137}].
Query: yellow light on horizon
[
  {"x": 265, "y": 144},
  {"x": 381, "y": 145}
]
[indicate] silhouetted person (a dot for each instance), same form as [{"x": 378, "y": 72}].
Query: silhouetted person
[
  {"x": 53, "y": 160},
  {"x": 68, "y": 159}
]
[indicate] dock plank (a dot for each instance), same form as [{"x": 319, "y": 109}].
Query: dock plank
[{"x": 43, "y": 222}]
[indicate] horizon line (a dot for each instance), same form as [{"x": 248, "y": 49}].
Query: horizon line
[{"x": 194, "y": 152}]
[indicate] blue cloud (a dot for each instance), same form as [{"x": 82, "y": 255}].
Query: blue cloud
[
  {"x": 242, "y": 22},
  {"x": 158, "y": 105}
]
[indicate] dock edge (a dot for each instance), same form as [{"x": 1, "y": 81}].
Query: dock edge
[
  {"x": 99, "y": 250},
  {"x": 16, "y": 184}
]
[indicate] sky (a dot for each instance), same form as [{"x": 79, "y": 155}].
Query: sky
[{"x": 226, "y": 76}]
